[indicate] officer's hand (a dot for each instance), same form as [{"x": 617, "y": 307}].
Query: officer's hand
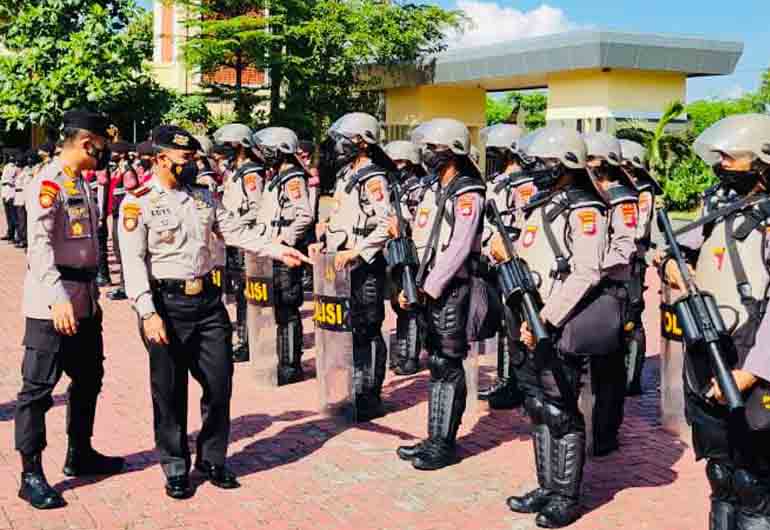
[
  {"x": 497, "y": 249},
  {"x": 673, "y": 277},
  {"x": 343, "y": 258},
  {"x": 315, "y": 250},
  {"x": 744, "y": 380},
  {"x": 526, "y": 336},
  {"x": 64, "y": 320},
  {"x": 392, "y": 227},
  {"x": 320, "y": 229},
  {"x": 291, "y": 257},
  {"x": 155, "y": 329}
]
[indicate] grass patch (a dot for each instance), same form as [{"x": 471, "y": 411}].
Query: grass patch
[{"x": 691, "y": 215}]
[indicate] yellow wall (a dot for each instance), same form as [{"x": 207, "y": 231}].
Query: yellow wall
[{"x": 593, "y": 93}]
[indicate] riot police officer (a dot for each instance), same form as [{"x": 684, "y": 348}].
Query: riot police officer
[
  {"x": 242, "y": 184},
  {"x": 608, "y": 373},
  {"x": 357, "y": 230},
  {"x": 285, "y": 215},
  {"x": 730, "y": 256},
  {"x": 63, "y": 326},
  {"x": 166, "y": 228},
  {"x": 10, "y": 172},
  {"x": 634, "y": 165},
  {"x": 510, "y": 188},
  {"x": 563, "y": 241},
  {"x": 410, "y": 326},
  {"x": 447, "y": 233}
]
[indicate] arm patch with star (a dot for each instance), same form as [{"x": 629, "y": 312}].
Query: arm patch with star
[{"x": 49, "y": 190}]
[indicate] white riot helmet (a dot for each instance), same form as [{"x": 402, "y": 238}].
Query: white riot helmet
[
  {"x": 554, "y": 149},
  {"x": 403, "y": 150},
  {"x": 357, "y": 124},
  {"x": 443, "y": 139},
  {"x": 233, "y": 133},
  {"x": 206, "y": 145},
  {"x": 633, "y": 162},
  {"x": 275, "y": 144},
  {"x": 342, "y": 146},
  {"x": 603, "y": 146},
  {"x": 740, "y": 136},
  {"x": 504, "y": 136}
]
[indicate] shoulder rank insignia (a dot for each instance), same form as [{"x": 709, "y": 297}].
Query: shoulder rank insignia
[
  {"x": 49, "y": 190},
  {"x": 131, "y": 216},
  {"x": 140, "y": 191},
  {"x": 295, "y": 188},
  {"x": 374, "y": 187},
  {"x": 465, "y": 204},
  {"x": 587, "y": 222},
  {"x": 629, "y": 214}
]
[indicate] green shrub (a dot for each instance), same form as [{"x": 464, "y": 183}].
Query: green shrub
[{"x": 688, "y": 179}]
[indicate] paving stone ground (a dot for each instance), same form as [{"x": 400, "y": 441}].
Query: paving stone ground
[{"x": 302, "y": 471}]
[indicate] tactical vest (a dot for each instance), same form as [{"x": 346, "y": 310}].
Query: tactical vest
[
  {"x": 353, "y": 217},
  {"x": 623, "y": 205},
  {"x": 733, "y": 267},
  {"x": 545, "y": 242},
  {"x": 235, "y": 196},
  {"x": 275, "y": 208},
  {"x": 511, "y": 193},
  {"x": 425, "y": 221}
]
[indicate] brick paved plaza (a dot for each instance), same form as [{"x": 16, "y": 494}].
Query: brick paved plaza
[{"x": 301, "y": 471}]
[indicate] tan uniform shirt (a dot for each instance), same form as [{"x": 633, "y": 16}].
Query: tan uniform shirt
[
  {"x": 243, "y": 191},
  {"x": 285, "y": 213},
  {"x": 622, "y": 237},
  {"x": 24, "y": 177},
  {"x": 9, "y": 181},
  {"x": 359, "y": 218},
  {"x": 166, "y": 234},
  {"x": 509, "y": 200},
  {"x": 61, "y": 230}
]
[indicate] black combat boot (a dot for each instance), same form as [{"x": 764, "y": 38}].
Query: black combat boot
[
  {"x": 446, "y": 404},
  {"x": 290, "y": 353},
  {"x": 567, "y": 459},
  {"x": 504, "y": 394},
  {"x": 82, "y": 459},
  {"x": 753, "y": 493},
  {"x": 407, "y": 344},
  {"x": 34, "y": 486},
  {"x": 241, "y": 348},
  {"x": 536, "y": 500},
  {"x": 119, "y": 293},
  {"x": 369, "y": 402}
]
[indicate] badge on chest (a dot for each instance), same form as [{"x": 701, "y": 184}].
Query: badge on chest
[
  {"x": 528, "y": 238},
  {"x": 423, "y": 214}
]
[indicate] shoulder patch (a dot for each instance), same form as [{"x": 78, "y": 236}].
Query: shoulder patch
[
  {"x": 49, "y": 190},
  {"x": 587, "y": 222},
  {"x": 131, "y": 214},
  {"x": 250, "y": 180},
  {"x": 465, "y": 204},
  {"x": 525, "y": 192},
  {"x": 295, "y": 188},
  {"x": 629, "y": 214},
  {"x": 140, "y": 191},
  {"x": 375, "y": 189}
]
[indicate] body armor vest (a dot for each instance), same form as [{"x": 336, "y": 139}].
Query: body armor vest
[
  {"x": 353, "y": 217},
  {"x": 275, "y": 209}
]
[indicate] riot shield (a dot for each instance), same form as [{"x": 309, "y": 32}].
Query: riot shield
[
  {"x": 260, "y": 318},
  {"x": 471, "y": 367},
  {"x": 333, "y": 338},
  {"x": 671, "y": 366}
]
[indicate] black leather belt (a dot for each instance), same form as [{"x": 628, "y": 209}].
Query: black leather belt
[
  {"x": 72, "y": 274},
  {"x": 281, "y": 222},
  {"x": 363, "y": 231},
  {"x": 196, "y": 287}
]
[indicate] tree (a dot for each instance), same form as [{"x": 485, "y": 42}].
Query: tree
[
  {"x": 511, "y": 107},
  {"x": 498, "y": 110},
  {"x": 65, "y": 55},
  {"x": 189, "y": 112}
]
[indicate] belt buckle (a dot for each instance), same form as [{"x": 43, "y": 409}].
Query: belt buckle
[{"x": 193, "y": 287}]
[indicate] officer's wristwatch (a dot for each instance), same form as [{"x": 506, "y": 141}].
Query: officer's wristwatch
[{"x": 148, "y": 316}]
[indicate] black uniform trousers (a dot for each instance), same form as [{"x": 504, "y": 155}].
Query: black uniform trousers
[
  {"x": 116, "y": 246},
  {"x": 200, "y": 343},
  {"x": 21, "y": 225},
  {"x": 48, "y": 354},
  {"x": 10, "y": 220}
]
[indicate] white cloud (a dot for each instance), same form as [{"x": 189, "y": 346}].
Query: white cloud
[{"x": 491, "y": 23}]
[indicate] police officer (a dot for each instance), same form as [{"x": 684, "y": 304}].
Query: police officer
[
  {"x": 123, "y": 178},
  {"x": 447, "y": 233},
  {"x": 730, "y": 258},
  {"x": 10, "y": 171},
  {"x": 63, "y": 327},
  {"x": 511, "y": 189},
  {"x": 410, "y": 324},
  {"x": 285, "y": 215},
  {"x": 23, "y": 178},
  {"x": 563, "y": 241},
  {"x": 635, "y": 166},
  {"x": 608, "y": 373},
  {"x": 166, "y": 226},
  {"x": 243, "y": 183},
  {"x": 357, "y": 229}
]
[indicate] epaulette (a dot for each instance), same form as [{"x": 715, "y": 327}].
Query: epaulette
[
  {"x": 580, "y": 198},
  {"x": 365, "y": 173},
  {"x": 621, "y": 193},
  {"x": 465, "y": 184},
  {"x": 246, "y": 169},
  {"x": 286, "y": 176},
  {"x": 140, "y": 191}
]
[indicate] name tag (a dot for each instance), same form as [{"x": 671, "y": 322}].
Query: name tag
[
  {"x": 669, "y": 324},
  {"x": 332, "y": 313},
  {"x": 259, "y": 291}
]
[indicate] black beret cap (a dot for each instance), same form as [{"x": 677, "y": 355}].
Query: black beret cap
[
  {"x": 89, "y": 121},
  {"x": 173, "y": 137}
]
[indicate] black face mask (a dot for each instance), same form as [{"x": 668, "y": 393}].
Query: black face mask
[
  {"x": 102, "y": 157},
  {"x": 741, "y": 182},
  {"x": 345, "y": 151},
  {"x": 544, "y": 179},
  {"x": 271, "y": 157},
  {"x": 436, "y": 161},
  {"x": 185, "y": 172}
]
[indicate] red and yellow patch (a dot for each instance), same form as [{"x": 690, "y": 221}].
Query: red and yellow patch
[
  {"x": 526, "y": 192},
  {"x": 629, "y": 215},
  {"x": 465, "y": 204},
  {"x": 295, "y": 188},
  {"x": 644, "y": 203},
  {"x": 374, "y": 187},
  {"x": 422, "y": 217},
  {"x": 528, "y": 238},
  {"x": 140, "y": 191},
  {"x": 719, "y": 256},
  {"x": 251, "y": 181},
  {"x": 587, "y": 223},
  {"x": 49, "y": 190},
  {"x": 131, "y": 214}
]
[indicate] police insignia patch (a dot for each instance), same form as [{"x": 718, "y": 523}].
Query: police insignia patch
[
  {"x": 76, "y": 229},
  {"x": 529, "y": 236},
  {"x": 719, "y": 256},
  {"x": 295, "y": 189},
  {"x": 465, "y": 204},
  {"x": 629, "y": 215},
  {"x": 251, "y": 181},
  {"x": 526, "y": 192},
  {"x": 131, "y": 216},
  {"x": 48, "y": 192},
  {"x": 374, "y": 187},
  {"x": 587, "y": 223},
  {"x": 422, "y": 217}
]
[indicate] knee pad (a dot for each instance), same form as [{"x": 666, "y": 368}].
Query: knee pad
[
  {"x": 752, "y": 492},
  {"x": 445, "y": 369},
  {"x": 534, "y": 408},
  {"x": 288, "y": 285},
  {"x": 559, "y": 421},
  {"x": 286, "y": 314},
  {"x": 448, "y": 330},
  {"x": 720, "y": 477}
]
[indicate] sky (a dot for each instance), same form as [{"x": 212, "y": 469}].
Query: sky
[{"x": 747, "y": 21}]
